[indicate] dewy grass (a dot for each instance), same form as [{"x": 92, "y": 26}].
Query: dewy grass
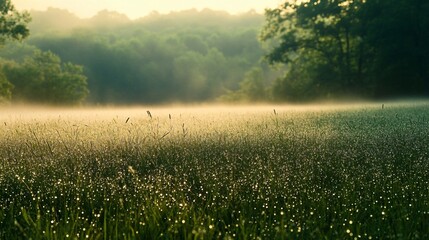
[{"x": 356, "y": 172}]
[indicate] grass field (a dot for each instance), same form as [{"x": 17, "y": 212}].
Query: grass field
[{"x": 284, "y": 172}]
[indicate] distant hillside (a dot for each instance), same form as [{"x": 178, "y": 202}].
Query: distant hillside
[
  {"x": 55, "y": 20},
  {"x": 183, "y": 56}
]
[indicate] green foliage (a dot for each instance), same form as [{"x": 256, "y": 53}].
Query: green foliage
[
  {"x": 252, "y": 88},
  {"x": 185, "y": 56},
  {"x": 43, "y": 78},
  {"x": 350, "y": 47},
  {"x": 325, "y": 172},
  {"x": 5, "y": 89},
  {"x": 13, "y": 24},
  {"x": 401, "y": 63}
]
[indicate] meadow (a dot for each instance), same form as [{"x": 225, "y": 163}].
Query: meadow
[{"x": 358, "y": 171}]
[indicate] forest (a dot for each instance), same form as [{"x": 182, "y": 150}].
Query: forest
[
  {"x": 300, "y": 51},
  {"x": 186, "y": 56},
  {"x": 363, "y": 48}
]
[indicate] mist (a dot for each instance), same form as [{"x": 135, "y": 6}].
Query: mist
[
  {"x": 308, "y": 122},
  {"x": 205, "y": 56},
  {"x": 186, "y": 57}
]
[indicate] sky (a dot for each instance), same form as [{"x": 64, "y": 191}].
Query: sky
[{"x": 138, "y": 8}]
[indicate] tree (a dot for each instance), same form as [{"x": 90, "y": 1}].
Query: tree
[
  {"x": 401, "y": 64},
  {"x": 328, "y": 33},
  {"x": 5, "y": 89},
  {"x": 13, "y": 25},
  {"x": 42, "y": 78},
  {"x": 252, "y": 88},
  {"x": 343, "y": 47},
  {"x": 187, "y": 56}
]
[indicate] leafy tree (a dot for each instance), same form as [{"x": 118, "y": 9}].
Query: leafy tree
[
  {"x": 42, "y": 78},
  {"x": 342, "y": 47},
  {"x": 398, "y": 32},
  {"x": 5, "y": 89},
  {"x": 186, "y": 56},
  {"x": 325, "y": 32},
  {"x": 195, "y": 43},
  {"x": 299, "y": 82},
  {"x": 252, "y": 88},
  {"x": 13, "y": 25}
]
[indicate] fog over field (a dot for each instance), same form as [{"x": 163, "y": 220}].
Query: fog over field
[
  {"x": 186, "y": 172},
  {"x": 103, "y": 113},
  {"x": 209, "y": 120}
]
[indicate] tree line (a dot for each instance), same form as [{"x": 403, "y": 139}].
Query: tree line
[
  {"x": 187, "y": 56},
  {"x": 363, "y": 48},
  {"x": 41, "y": 77},
  {"x": 300, "y": 51}
]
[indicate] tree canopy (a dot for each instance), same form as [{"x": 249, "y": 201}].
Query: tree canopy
[
  {"x": 43, "y": 78},
  {"x": 326, "y": 49},
  {"x": 350, "y": 47},
  {"x": 186, "y": 56},
  {"x": 13, "y": 25}
]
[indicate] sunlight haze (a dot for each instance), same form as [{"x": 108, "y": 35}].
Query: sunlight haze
[{"x": 137, "y": 8}]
